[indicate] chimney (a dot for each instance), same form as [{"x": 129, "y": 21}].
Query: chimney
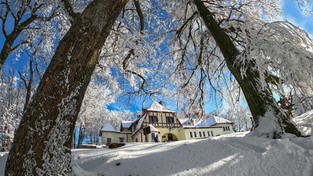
[{"x": 161, "y": 102}]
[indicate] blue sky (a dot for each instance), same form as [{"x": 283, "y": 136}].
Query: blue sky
[{"x": 292, "y": 13}]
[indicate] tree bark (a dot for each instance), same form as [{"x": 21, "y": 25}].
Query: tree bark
[
  {"x": 260, "y": 99},
  {"x": 42, "y": 143}
]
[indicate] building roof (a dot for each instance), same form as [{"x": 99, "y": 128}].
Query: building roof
[
  {"x": 155, "y": 106},
  {"x": 184, "y": 121},
  {"x": 139, "y": 123},
  {"x": 108, "y": 127},
  {"x": 127, "y": 124},
  {"x": 208, "y": 121},
  {"x": 153, "y": 129},
  {"x": 217, "y": 119}
]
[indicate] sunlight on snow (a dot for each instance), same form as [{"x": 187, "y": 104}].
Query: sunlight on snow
[
  {"x": 145, "y": 150},
  {"x": 230, "y": 160}
]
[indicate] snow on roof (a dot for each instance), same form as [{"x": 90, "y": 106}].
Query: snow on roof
[
  {"x": 127, "y": 124},
  {"x": 206, "y": 122},
  {"x": 221, "y": 120},
  {"x": 140, "y": 123},
  {"x": 108, "y": 127},
  {"x": 153, "y": 129},
  {"x": 155, "y": 106},
  {"x": 212, "y": 120},
  {"x": 183, "y": 121}
]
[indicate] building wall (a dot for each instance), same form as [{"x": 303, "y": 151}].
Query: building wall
[
  {"x": 137, "y": 137},
  {"x": 127, "y": 130},
  {"x": 161, "y": 120},
  {"x": 177, "y": 134},
  {"x": 115, "y": 137},
  {"x": 164, "y": 134},
  {"x": 228, "y": 128},
  {"x": 167, "y": 131},
  {"x": 128, "y": 137},
  {"x": 162, "y": 125},
  {"x": 198, "y": 133}
]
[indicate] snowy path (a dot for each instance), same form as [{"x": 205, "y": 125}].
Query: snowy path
[{"x": 215, "y": 156}]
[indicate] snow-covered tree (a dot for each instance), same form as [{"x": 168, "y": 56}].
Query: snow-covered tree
[
  {"x": 19, "y": 26},
  {"x": 235, "y": 108},
  {"x": 91, "y": 115},
  {"x": 11, "y": 106},
  {"x": 44, "y": 136},
  {"x": 218, "y": 37}
]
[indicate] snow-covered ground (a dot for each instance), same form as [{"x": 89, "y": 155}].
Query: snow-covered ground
[{"x": 234, "y": 154}]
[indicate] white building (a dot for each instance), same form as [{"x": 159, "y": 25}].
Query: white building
[{"x": 157, "y": 123}]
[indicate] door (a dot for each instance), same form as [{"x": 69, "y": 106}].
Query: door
[{"x": 170, "y": 137}]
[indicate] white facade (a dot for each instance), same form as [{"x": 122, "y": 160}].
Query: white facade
[{"x": 159, "y": 124}]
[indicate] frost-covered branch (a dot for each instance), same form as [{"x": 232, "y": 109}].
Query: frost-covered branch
[{"x": 24, "y": 13}]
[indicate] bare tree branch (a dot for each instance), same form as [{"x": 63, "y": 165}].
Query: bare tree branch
[{"x": 140, "y": 14}]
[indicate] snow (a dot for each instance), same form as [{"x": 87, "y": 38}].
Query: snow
[
  {"x": 153, "y": 129},
  {"x": 127, "y": 124},
  {"x": 155, "y": 106},
  {"x": 305, "y": 122},
  {"x": 208, "y": 121},
  {"x": 212, "y": 120},
  {"x": 233, "y": 154},
  {"x": 140, "y": 123},
  {"x": 266, "y": 125},
  {"x": 108, "y": 127}
]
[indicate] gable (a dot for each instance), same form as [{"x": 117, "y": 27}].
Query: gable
[
  {"x": 155, "y": 106},
  {"x": 126, "y": 124}
]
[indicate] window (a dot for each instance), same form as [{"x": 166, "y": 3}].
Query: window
[
  {"x": 200, "y": 134},
  {"x": 208, "y": 133},
  {"x": 153, "y": 119},
  {"x": 169, "y": 120},
  {"x": 190, "y": 134},
  {"x": 136, "y": 139},
  {"x": 212, "y": 133},
  {"x": 195, "y": 134},
  {"x": 203, "y": 134},
  {"x": 121, "y": 139},
  {"x": 226, "y": 128},
  {"x": 109, "y": 140}
]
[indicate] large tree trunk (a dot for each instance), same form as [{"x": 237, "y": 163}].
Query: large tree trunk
[
  {"x": 42, "y": 143},
  {"x": 269, "y": 119}
]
